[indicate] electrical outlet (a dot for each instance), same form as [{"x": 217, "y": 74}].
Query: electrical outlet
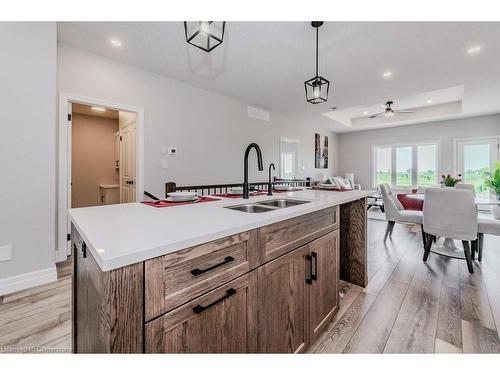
[
  {"x": 172, "y": 151},
  {"x": 5, "y": 253}
]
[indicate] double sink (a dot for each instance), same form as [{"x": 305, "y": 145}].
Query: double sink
[{"x": 266, "y": 206}]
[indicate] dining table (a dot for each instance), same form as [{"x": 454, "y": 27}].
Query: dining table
[{"x": 449, "y": 243}]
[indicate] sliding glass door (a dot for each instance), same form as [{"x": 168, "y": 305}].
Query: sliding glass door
[{"x": 475, "y": 160}]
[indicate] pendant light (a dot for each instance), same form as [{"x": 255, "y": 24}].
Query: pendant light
[
  {"x": 205, "y": 35},
  {"x": 317, "y": 87}
]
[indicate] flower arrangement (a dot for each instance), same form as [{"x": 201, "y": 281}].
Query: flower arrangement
[
  {"x": 493, "y": 182},
  {"x": 449, "y": 180}
]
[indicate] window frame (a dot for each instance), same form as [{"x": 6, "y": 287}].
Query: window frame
[{"x": 414, "y": 174}]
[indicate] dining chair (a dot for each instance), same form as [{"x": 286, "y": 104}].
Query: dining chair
[
  {"x": 466, "y": 187},
  {"x": 450, "y": 213},
  {"x": 486, "y": 226},
  {"x": 395, "y": 212}
]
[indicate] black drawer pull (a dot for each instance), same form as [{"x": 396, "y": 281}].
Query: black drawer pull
[
  {"x": 199, "y": 308},
  {"x": 314, "y": 275},
  {"x": 310, "y": 278},
  {"x": 197, "y": 271}
]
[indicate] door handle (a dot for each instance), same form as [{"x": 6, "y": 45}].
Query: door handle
[
  {"x": 314, "y": 256},
  {"x": 199, "y": 308},
  {"x": 310, "y": 278},
  {"x": 197, "y": 271}
]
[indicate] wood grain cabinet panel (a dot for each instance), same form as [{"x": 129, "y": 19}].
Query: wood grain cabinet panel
[
  {"x": 323, "y": 293},
  {"x": 281, "y": 304},
  {"x": 279, "y": 238},
  {"x": 179, "y": 277},
  {"x": 221, "y": 321}
]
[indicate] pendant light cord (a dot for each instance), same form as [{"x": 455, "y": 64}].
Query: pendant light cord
[{"x": 317, "y": 53}]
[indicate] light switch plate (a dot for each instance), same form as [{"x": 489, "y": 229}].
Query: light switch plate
[
  {"x": 164, "y": 164},
  {"x": 5, "y": 253}
]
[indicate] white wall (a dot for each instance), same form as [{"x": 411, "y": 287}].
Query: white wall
[
  {"x": 210, "y": 131},
  {"x": 27, "y": 151},
  {"x": 355, "y": 149}
]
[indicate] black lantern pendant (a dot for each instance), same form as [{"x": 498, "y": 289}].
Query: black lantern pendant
[
  {"x": 205, "y": 35},
  {"x": 317, "y": 87}
]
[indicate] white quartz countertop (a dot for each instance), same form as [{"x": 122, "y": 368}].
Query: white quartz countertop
[{"x": 122, "y": 234}]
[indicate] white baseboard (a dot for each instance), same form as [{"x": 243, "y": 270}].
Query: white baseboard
[{"x": 27, "y": 280}]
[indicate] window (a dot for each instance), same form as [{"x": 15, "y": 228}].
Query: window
[
  {"x": 426, "y": 165},
  {"x": 383, "y": 168},
  {"x": 406, "y": 165}
]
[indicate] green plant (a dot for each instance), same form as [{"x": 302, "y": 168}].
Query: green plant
[
  {"x": 493, "y": 181},
  {"x": 449, "y": 180}
]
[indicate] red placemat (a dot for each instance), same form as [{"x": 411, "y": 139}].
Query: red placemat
[
  {"x": 162, "y": 203},
  {"x": 235, "y": 196}
]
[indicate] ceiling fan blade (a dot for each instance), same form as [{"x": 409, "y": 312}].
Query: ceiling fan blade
[
  {"x": 377, "y": 115},
  {"x": 404, "y": 111}
]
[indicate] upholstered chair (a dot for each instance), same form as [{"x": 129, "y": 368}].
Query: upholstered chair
[
  {"x": 450, "y": 213},
  {"x": 486, "y": 226},
  {"x": 395, "y": 213},
  {"x": 466, "y": 187}
]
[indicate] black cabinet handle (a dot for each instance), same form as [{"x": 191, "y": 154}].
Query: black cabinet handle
[
  {"x": 314, "y": 275},
  {"x": 197, "y": 271},
  {"x": 84, "y": 249},
  {"x": 310, "y": 278},
  {"x": 199, "y": 308}
]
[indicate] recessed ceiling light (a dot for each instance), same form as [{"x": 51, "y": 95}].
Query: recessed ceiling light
[
  {"x": 116, "y": 42},
  {"x": 365, "y": 113},
  {"x": 387, "y": 74},
  {"x": 98, "y": 109},
  {"x": 429, "y": 100},
  {"x": 473, "y": 50}
]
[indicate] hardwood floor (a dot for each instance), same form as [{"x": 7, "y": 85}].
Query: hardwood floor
[
  {"x": 38, "y": 320},
  {"x": 408, "y": 306},
  {"x": 414, "y": 307}
]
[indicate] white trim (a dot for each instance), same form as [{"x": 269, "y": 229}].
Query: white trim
[
  {"x": 64, "y": 164},
  {"x": 27, "y": 280}
]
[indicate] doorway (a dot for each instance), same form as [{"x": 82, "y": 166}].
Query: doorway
[
  {"x": 475, "y": 158},
  {"x": 100, "y": 158}
]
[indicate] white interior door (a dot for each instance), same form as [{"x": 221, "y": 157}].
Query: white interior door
[
  {"x": 475, "y": 158},
  {"x": 128, "y": 163},
  {"x": 69, "y": 190}
]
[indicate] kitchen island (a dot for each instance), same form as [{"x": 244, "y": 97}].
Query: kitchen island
[{"x": 205, "y": 278}]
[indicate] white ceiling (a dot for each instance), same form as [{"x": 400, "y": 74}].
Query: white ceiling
[{"x": 265, "y": 63}]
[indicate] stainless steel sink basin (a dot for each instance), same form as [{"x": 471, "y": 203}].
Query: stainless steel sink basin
[
  {"x": 266, "y": 206},
  {"x": 251, "y": 208},
  {"x": 282, "y": 203}
]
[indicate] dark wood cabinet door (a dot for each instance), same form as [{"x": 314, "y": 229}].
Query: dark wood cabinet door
[
  {"x": 221, "y": 321},
  {"x": 323, "y": 290},
  {"x": 80, "y": 325},
  {"x": 281, "y": 306}
]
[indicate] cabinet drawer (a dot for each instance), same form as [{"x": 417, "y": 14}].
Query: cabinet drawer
[
  {"x": 221, "y": 321},
  {"x": 282, "y": 237},
  {"x": 177, "y": 278}
]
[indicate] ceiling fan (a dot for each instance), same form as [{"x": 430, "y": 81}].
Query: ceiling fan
[{"x": 388, "y": 111}]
